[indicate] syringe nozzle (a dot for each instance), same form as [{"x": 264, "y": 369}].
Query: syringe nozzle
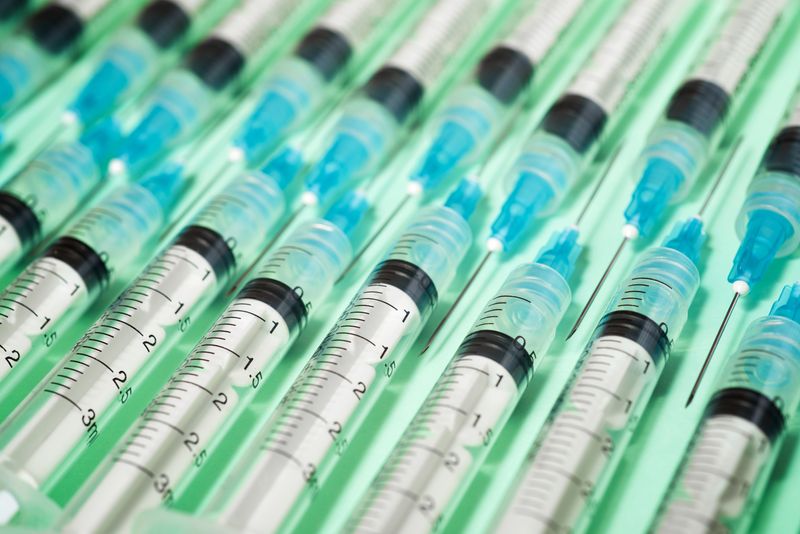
[
  {"x": 102, "y": 140},
  {"x": 788, "y": 303},
  {"x": 154, "y": 132},
  {"x": 561, "y": 252},
  {"x": 273, "y": 114},
  {"x": 531, "y": 194},
  {"x": 452, "y": 144},
  {"x": 687, "y": 237},
  {"x": 660, "y": 181},
  {"x": 343, "y": 159},
  {"x": 766, "y": 233},
  {"x": 348, "y": 211},
  {"x": 165, "y": 184},
  {"x": 284, "y": 166},
  {"x": 464, "y": 198}
]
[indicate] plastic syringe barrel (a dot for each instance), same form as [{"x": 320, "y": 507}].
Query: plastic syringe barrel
[
  {"x": 769, "y": 221},
  {"x": 418, "y": 488},
  {"x": 50, "y": 188},
  {"x": 48, "y": 436},
  {"x": 231, "y": 361},
  {"x": 466, "y": 127},
  {"x": 56, "y": 288},
  {"x": 681, "y": 144},
  {"x": 726, "y": 468},
  {"x": 388, "y": 311},
  {"x": 564, "y": 480}
]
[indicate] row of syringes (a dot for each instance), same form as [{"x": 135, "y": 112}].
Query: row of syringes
[{"x": 90, "y": 397}]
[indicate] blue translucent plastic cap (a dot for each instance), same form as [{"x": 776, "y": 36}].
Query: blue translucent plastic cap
[
  {"x": 660, "y": 181},
  {"x": 464, "y": 198},
  {"x": 110, "y": 80},
  {"x": 766, "y": 233},
  {"x": 165, "y": 183},
  {"x": 102, "y": 140},
  {"x": 788, "y": 304},
  {"x": 561, "y": 252},
  {"x": 451, "y": 145},
  {"x": 19, "y": 60},
  {"x": 271, "y": 117},
  {"x": 154, "y": 132},
  {"x": 687, "y": 237},
  {"x": 348, "y": 211},
  {"x": 336, "y": 168},
  {"x": 284, "y": 166},
  {"x": 531, "y": 195}
]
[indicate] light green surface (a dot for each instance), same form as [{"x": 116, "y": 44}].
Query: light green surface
[{"x": 667, "y": 427}]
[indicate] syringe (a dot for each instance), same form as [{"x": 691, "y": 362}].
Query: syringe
[
  {"x": 445, "y": 444},
  {"x": 479, "y": 109},
  {"x": 188, "y": 98},
  {"x": 91, "y": 398},
  {"x": 219, "y": 377},
  {"x": 48, "y": 41},
  {"x": 725, "y": 470},
  {"x": 319, "y": 415},
  {"x": 372, "y": 121},
  {"x": 56, "y": 288},
  {"x": 44, "y": 194},
  {"x": 682, "y": 143},
  {"x": 768, "y": 223},
  {"x": 301, "y": 85},
  {"x": 136, "y": 56},
  {"x": 586, "y": 433},
  {"x": 558, "y": 151},
  {"x": 478, "y": 114}
]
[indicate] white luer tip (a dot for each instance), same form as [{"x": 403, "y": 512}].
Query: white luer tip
[
  {"x": 69, "y": 118},
  {"x": 741, "y": 287},
  {"x": 9, "y": 506},
  {"x": 309, "y": 199},
  {"x": 235, "y": 154},
  {"x": 414, "y": 189},
  {"x": 494, "y": 245},
  {"x": 629, "y": 231},
  {"x": 116, "y": 167}
]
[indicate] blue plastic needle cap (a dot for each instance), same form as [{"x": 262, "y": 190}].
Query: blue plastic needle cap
[
  {"x": 451, "y": 145},
  {"x": 788, "y": 304},
  {"x": 687, "y": 237},
  {"x": 348, "y": 211},
  {"x": 530, "y": 196},
  {"x": 336, "y": 168},
  {"x": 561, "y": 252},
  {"x": 102, "y": 140},
  {"x": 267, "y": 122},
  {"x": 165, "y": 183},
  {"x": 660, "y": 181},
  {"x": 284, "y": 166},
  {"x": 464, "y": 198},
  {"x": 766, "y": 233}
]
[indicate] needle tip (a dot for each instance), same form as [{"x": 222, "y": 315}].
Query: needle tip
[
  {"x": 571, "y": 332},
  {"x": 689, "y": 400}
]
